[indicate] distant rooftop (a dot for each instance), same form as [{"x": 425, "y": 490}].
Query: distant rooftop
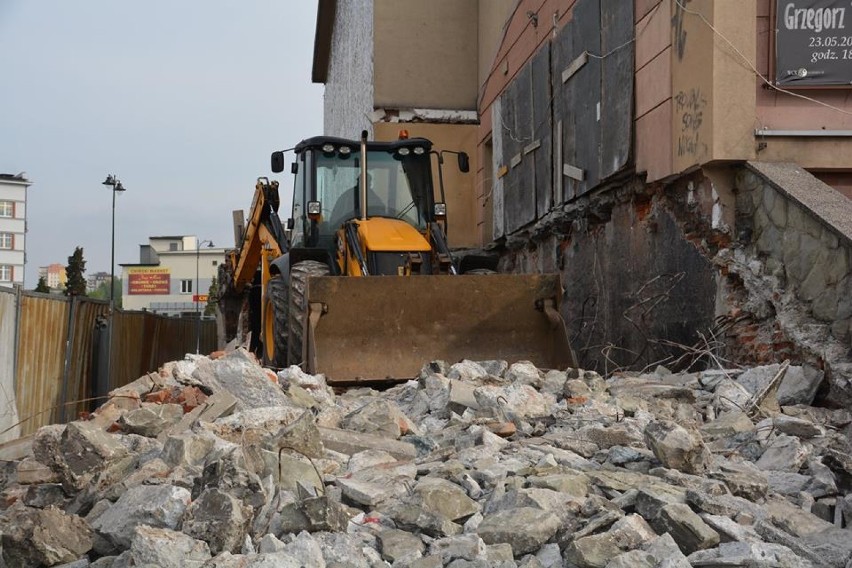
[{"x": 19, "y": 178}]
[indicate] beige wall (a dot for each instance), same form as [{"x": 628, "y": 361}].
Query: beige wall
[
  {"x": 425, "y": 54},
  {"x": 780, "y": 111},
  {"x": 713, "y": 94},
  {"x": 493, "y": 15},
  {"x": 460, "y": 188}
]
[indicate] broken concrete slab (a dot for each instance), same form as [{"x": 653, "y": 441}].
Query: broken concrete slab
[
  {"x": 42, "y": 537},
  {"x": 524, "y": 528},
  {"x": 349, "y": 443},
  {"x": 218, "y": 519},
  {"x": 676, "y": 447},
  {"x": 166, "y": 548},
  {"x": 159, "y": 506}
]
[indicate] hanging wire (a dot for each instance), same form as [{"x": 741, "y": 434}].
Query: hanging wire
[{"x": 751, "y": 66}]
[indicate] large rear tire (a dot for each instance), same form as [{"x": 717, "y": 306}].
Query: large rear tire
[
  {"x": 299, "y": 274},
  {"x": 279, "y": 302}
]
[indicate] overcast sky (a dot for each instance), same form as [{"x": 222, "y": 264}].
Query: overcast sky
[{"x": 182, "y": 100}]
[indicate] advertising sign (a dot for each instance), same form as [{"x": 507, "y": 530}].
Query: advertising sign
[
  {"x": 148, "y": 281},
  {"x": 813, "y": 43}
]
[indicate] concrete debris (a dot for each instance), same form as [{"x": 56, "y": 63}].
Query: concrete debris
[{"x": 221, "y": 463}]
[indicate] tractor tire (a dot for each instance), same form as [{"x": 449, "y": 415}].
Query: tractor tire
[
  {"x": 299, "y": 274},
  {"x": 278, "y": 295}
]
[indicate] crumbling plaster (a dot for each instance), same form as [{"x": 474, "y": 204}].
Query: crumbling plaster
[{"x": 348, "y": 95}]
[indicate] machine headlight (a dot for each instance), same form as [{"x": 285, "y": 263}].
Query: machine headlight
[
  {"x": 440, "y": 210},
  {"x": 419, "y": 150},
  {"x": 345, "y": 150},
  {"x": 314, "y": 207},
  {"x": 328, "y": 148},
  {"x": 404, "y": 151}
]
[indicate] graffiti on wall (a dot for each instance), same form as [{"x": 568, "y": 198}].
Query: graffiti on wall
[
  {"x": 677, "y": 26},
  {"x": 690, "y": 106}
]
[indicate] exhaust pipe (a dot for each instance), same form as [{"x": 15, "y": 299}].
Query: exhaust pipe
[{"x": 363, "y": 200}]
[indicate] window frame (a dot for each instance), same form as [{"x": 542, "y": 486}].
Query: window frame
[
  {"x": 4, "y": 203},
  {"x": 4, "y": 235},
  {"x": 186, "y": 286},
  {"x": 10, "y": 269}
]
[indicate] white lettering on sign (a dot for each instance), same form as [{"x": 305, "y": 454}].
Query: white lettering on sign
[{"x": 816, "y": 19}]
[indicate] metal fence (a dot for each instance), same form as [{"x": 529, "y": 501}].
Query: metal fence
[{"x": 54, "y": 352}]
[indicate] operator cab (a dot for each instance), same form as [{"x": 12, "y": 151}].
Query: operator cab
[{"x": 327, "y": 180}]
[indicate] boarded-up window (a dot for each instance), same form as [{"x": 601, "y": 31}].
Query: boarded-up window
[{"x": 565, "y": 123}]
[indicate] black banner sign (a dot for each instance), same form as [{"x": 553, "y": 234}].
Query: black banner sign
[{"x": 813, "y": 43}]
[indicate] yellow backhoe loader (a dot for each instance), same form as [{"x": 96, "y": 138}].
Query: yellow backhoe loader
[{"x": 365, "y": 288}]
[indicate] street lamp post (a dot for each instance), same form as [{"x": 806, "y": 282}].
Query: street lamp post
[
  {"x": 197, "y": 312},
  {"x": 113, "y": 181}
]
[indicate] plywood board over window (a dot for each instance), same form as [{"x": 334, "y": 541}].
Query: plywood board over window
[{"x": 565, "y": 123}]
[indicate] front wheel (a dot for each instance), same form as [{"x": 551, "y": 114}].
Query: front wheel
[
  {"x": 299, "y": 274},
  {"x": 276, "y": 321}
]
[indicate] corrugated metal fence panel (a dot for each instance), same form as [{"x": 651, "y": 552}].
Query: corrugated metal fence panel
[
  {"x": 128, "y": 346},
  {"x": 80, "y": 365},
  {"x": 41, "y": 360},
  {"x": 8, "y": 408},
  {"x": 180, "y": 336},
  {"x": 142, "y": 342}
]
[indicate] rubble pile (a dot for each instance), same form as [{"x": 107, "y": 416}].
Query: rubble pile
[{"x": 217, "y": 462}]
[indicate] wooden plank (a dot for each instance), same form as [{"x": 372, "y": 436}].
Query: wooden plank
[
  {"x": 543, "y": 119},
  {"x": 573, "y": 172},
  {"x": 562, "y": 105},
  {"x": 574, "y": 66},
  {"x": 586, "y": 86},
  {"x": 616, "y": 124},
  {"x": 520, "y": 191},
  {"x": 498, "y": 214}
]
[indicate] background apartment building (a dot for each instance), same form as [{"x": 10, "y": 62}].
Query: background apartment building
[
  {"x": 172, "y": 274},
  {"x": 684, "y": 164},
  {"x": 54, "y": 275},
  {"x": 13, "y": 228}
]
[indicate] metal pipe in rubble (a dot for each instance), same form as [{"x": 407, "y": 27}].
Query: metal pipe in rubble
[{"x": 363, "y": 184}]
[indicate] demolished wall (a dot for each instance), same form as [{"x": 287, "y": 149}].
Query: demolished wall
[
  {"x": 750, "y": 263},
  {"x": 219, "y": 463}
]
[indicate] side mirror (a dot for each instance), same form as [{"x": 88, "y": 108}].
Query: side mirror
[
  {"x": 464, "y": 162},
  {"x": 277, "y": 162}
]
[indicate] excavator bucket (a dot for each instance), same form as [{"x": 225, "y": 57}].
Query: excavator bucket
[{"x": 387, "y": 327}]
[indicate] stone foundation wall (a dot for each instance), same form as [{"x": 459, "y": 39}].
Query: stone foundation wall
[{"x": 806, "y": 255}]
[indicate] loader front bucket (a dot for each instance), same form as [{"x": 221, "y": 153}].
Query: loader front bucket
[{"x": 388, "y": 327}]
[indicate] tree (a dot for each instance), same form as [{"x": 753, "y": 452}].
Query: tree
[
  {"x": 42, "y": 286},
  {"x": 102, "y": 292},
  {"x": 75, "y": 284},
  {"x": 212, "y": 298}
]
